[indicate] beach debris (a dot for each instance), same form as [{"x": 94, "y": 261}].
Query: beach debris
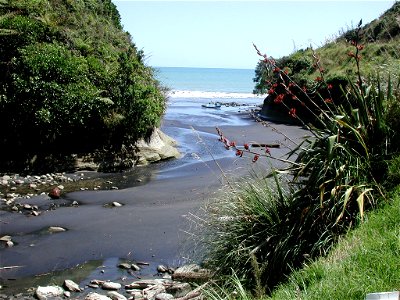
[
  {"x": 116, "y": 204},
  {"x": 47, "y": 292}
]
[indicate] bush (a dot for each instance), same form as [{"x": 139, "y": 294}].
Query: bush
[
  {"x": 263, "y": 233},
  {"x": 72, "y": 82}
]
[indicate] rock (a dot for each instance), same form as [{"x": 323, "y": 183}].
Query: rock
[
  {"x": 191, "y": 272},
  {"x": 48, "y": 292},
  {"x": 159, "y": 146},
  {"x": 61, "y": 187},
  {"x": 162, "y": 269},
  {"x": 179, "y": 289},
  {"x": 71, "y": 286},
  {"x": 116, "y": 296},
  {"x": 108, "y": 285},
  {"x": 116, "y": 204},
  {"x": 55, "y": 229},
  {"x": 143, "y": 284},
  {"x": 27, "y": 206},
  {"x": 55, "y": 193},
  {"x": 96, "y": 296},
  {"x": 135, "y": 267},
  {"x": 152, "y": 292},
  {"x": 164, "y": 296},
  {"x": 6, "y": 238},
  {"x": 35, "y": 213},
  {"x": 67, "y": 294},
  {"x": 124, "y": 266}
]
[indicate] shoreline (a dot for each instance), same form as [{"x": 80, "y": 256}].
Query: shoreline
[{"x": 96, "y": 231}]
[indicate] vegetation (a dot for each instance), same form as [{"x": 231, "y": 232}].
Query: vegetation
[
  {"x": 72, "y": 81},
  {"x": 265, "y": 228}
]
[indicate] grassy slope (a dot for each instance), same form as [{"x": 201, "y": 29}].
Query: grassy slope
[{"x": 367, "y": 260}]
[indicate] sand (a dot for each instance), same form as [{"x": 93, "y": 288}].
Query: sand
[{"x": 151, "y": 225}]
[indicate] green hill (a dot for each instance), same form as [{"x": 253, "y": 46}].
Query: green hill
[
  {"x": 380, "y": 54},
  {"x": 72, "y": 81}
]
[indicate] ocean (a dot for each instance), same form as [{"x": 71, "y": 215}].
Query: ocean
[
  {"x": 207, "y": 83},
  {"x": 188, "y": 122}
]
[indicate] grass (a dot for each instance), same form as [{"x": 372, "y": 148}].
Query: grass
[
  {"x": 264, "y": 231},
  {"x": 367, "y": 260}
]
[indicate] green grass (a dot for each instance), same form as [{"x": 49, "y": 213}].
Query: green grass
[{"x": 367, "y": 260}]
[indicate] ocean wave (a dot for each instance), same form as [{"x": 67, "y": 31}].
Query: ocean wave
[{"x": 212, "y": 95}]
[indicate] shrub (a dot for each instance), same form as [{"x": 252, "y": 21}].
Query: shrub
[{"x": 263, "y": 233}]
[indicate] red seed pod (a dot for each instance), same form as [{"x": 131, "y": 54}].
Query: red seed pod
[
  {"x": 255, "y": 158},
  {"x": 246, "y": 146}
]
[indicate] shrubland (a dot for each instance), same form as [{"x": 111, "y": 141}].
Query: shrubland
[{"x": 72, "y": 81}]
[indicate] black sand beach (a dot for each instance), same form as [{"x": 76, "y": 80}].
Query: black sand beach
[{"x": 151, "y": 223}]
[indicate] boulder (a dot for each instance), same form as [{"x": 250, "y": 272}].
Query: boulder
[
  {"x": 157, "y": 147},
  {"x": 48, "y": 292},
  {"x": 190, "y": 273}
]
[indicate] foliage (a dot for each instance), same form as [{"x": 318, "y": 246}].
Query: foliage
[
  {"x": 333, "y": 178},
  {"x": 366, "y": 261},
  {"x": 71, "y": 81}
]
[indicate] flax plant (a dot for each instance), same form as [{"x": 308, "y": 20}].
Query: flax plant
[{"x": 265, "y": 228}]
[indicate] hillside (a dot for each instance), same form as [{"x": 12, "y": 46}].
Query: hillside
[
  {"x": 72, "y": 81},
  {"x": 380, "y": 54}
]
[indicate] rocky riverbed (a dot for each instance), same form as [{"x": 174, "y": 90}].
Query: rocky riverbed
[{"x": 184, "y": 283}]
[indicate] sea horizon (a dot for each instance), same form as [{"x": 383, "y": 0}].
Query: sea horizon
[{"x": 201, "y": 82}]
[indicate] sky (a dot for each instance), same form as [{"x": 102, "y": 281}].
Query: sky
[{"x": 220, "y": 34}]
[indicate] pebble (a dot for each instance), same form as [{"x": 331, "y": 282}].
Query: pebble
[
  {"x": 164, "y": 296},
  {"x": 54, "y": 229},
  {"x": 116, "y": 204},
  {"x": 71, "y": 286},
  {"x": 55, "y": 193},
  {"x": 116, "y": 296},
  {"x": 108, "y": 285},
  {"x": 96, "y": 296},
  {"x": 162, "y": 269}
]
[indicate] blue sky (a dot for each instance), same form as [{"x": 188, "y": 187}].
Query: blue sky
[{"x": 219, "y": 34}]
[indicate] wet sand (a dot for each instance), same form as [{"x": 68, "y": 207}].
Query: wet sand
[{"x": 151, "y": 224}]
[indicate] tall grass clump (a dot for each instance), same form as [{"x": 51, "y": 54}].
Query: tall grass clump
[{"x": 263, "y": 231}]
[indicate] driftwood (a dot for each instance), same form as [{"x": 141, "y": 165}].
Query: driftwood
[{"x": 266, "y": 145}]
